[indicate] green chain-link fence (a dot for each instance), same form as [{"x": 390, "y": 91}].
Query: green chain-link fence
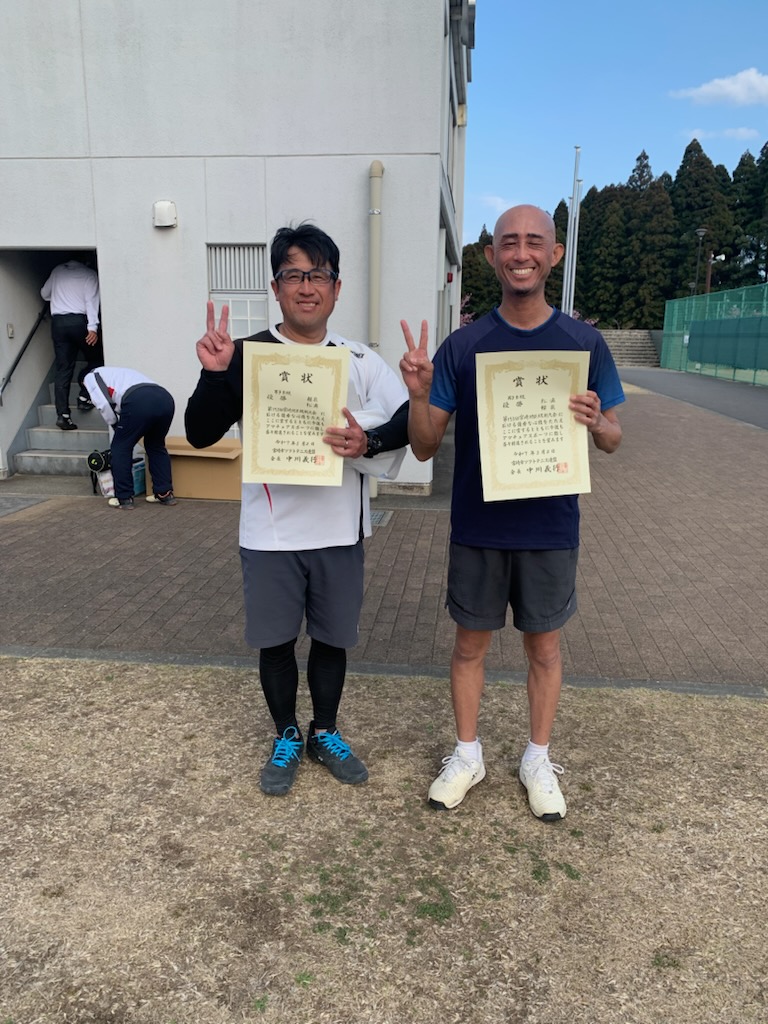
[{"x": 723, "y": 334}]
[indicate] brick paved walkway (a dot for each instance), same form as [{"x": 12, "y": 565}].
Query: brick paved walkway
[{"x": 673, "y": 583}]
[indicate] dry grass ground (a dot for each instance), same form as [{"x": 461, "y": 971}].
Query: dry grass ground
[{"x": 144, "y": 879}]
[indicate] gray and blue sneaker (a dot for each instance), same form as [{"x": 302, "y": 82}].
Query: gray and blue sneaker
[
  {"x": 329, "y": 749},
  {"x": 278, "y": 774}
]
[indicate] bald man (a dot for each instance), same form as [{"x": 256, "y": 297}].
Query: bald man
[{"x": 519, "y": 553}]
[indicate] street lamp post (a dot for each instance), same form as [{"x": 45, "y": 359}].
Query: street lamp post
[
  {"x": 710, "y": 260},
  {"x": 700, "y": 232}
]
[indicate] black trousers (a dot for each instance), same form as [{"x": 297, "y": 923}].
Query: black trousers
[
  {"x": 68, "y": 331},
  {"x": 145, "y": 411}
]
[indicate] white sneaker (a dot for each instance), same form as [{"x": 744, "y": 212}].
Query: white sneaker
[
  {"x": 457, "y": 776},
  {"x": 539, "y": 776}
]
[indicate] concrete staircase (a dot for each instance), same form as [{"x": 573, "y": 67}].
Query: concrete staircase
[
  {"x": 631, "y": 348},
  {"x": 62, "y": 452}
]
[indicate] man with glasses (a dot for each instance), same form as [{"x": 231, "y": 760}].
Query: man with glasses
[{"x": 301, "y": 548}]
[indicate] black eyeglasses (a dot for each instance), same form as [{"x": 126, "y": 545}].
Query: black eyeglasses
[{"x": 317, "y": 276}]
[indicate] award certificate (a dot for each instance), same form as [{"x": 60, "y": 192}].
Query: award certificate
[
  {"x": 291, "y": 393},
  {"x": 530, "y": 444}
]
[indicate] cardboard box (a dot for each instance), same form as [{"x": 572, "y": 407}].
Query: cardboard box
[{"x": 204, "y": 472}]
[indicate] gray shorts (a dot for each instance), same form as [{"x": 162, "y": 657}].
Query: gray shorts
[
  {"x": 539, "y": 586},
  {"x": 281, "y": 587}
]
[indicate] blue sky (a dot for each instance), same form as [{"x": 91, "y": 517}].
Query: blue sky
[{"x": 613, "y": 78}]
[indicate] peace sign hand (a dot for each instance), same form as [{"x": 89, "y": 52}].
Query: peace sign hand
[
  {"x": 215, "y": 349},
  {"x": 416, "y": 366}
]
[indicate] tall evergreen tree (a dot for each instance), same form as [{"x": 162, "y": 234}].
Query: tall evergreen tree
[
  {"x": 641, "y": 177},
  {"x": 761, "y": 222},
  {"x": 478, "y": 280},
  {"x": 601, "y": 271},
  {"x": 589, "y": 234},
  {"x": 652, "y": 231},
  {"x": 632, "y": 311},
  {"x": 555, "y": 283},
  {"x": 699, "y": 202},
  {"x": 746, "y": 209}
]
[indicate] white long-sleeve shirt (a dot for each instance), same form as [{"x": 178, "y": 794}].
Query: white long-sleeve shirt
[
  {"x": 117, "y": 380},
  {"x": 73, "y": 288}
]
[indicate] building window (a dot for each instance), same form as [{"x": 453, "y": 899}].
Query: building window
[{"x": 237, "y": 276}]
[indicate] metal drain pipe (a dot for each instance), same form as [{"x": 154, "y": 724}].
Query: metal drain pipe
[
  {"x": 374, "y": 252},
  {"x": 374, "y": 270}
]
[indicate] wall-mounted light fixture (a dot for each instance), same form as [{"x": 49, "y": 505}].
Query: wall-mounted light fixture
[{"x": 164, "y": 214}]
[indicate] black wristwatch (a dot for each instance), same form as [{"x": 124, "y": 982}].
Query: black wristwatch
[{"x": 375, "y": 444}]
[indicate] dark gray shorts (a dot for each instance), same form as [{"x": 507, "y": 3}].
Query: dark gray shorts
[
  {"x": 539, "y": 586},
  {"x": 281, "y": 587}
]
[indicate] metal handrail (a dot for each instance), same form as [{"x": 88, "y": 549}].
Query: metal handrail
[{"x": 24, "y": 347}]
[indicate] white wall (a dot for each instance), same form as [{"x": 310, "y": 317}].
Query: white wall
[
  {"x": 47, "y": 204},
  {"x": 186, "y": 77},
  {"x": 150, "y": 277}
]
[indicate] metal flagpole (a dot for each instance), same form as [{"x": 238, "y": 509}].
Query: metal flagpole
[
  {"x": 574, "y": 247},
  {"x": 567, "y": 259},
  {"x": 569, "y": 269}
]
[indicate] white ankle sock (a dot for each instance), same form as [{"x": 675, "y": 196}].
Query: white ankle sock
[
  {"x": 473, "y": 751},
  {"x": 534, "y": 750}
]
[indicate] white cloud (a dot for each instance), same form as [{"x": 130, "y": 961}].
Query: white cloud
[
  {"x": 496, "y": 203},
  {"x": 739, "y": 134},
  {"x": 743, "y": 89}
]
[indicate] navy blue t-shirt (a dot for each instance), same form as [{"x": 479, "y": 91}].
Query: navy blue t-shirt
[{"x": 523, "y": 524}]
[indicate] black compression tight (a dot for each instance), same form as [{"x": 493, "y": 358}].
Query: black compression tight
[
  {"x": 280, "y": 681},
  {"x": 326, "y": 668}
]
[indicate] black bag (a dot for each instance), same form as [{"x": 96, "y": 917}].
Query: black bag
[{"x": 98, "y": 462}]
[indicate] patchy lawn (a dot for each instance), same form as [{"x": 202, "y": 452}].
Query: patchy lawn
[{"x": 146, "y": 880}]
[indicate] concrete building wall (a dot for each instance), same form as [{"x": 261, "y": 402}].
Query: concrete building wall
[{"x": 247, "y": 115}]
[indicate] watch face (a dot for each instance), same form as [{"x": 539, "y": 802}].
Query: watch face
[{"x": 374, "y": 444}]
